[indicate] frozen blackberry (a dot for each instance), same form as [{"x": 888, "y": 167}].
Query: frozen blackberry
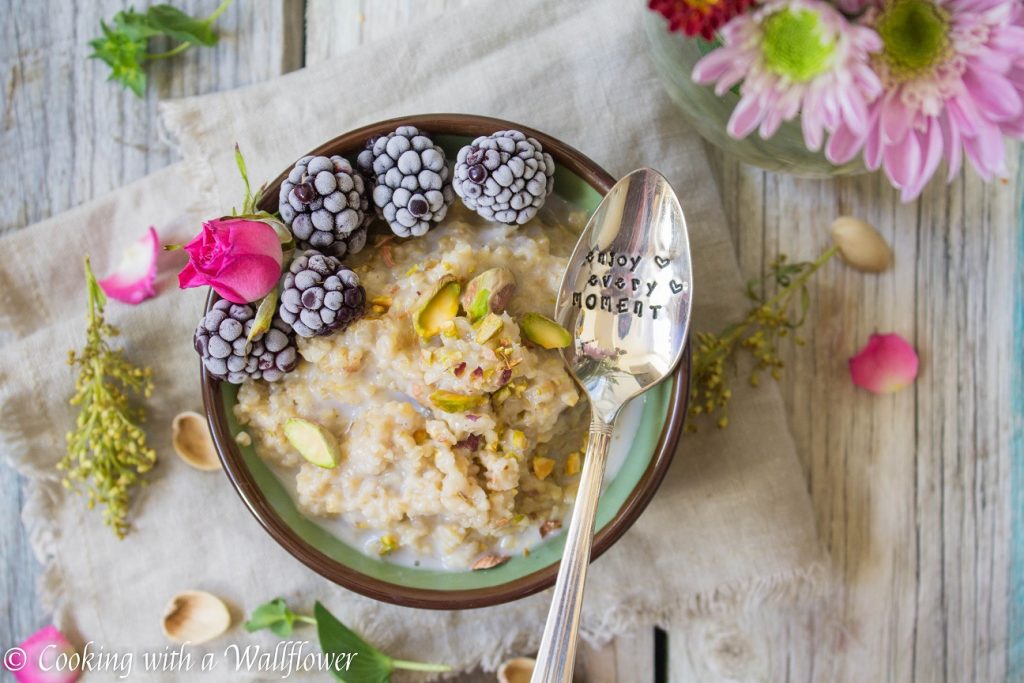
[
  {"x": 324, "y": 203},
  {"x": 504, "y": 177},
  {"x": 220, "y": 340},
  {"x": 319, "y": 295},
  {"x": 410, "y": 180}
]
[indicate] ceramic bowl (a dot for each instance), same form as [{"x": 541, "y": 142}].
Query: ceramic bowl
[{"x": 646, "y": 434}]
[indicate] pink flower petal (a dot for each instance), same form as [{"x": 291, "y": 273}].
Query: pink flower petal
[
  {"x": 954, "y": 148},
  {"x": 995, "y": 95},
  {"x": 873, "y": 148},
  {"x": 745, "y": 117},
  {"x": 843, "y": 145},
  {"x": 39, "y": 659},
  {"x": 887, "y": 364},
  {"x": 902, "y": 161},
  {"x": 895, "y": 119},
  {"x": 133, "y": 280},
  {"x": 713, "y": 65},
  {"x": 931, "y": 144},
  {"x": 986, "y": 150}
]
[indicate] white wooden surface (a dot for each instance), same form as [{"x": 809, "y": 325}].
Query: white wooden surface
[{"x": 911, "y": 491}]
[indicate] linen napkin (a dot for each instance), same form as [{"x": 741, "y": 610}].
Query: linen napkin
[{"x": 731, "y": 525}]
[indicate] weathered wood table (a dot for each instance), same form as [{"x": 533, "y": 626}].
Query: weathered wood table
[{"x": 914, "y": 493}]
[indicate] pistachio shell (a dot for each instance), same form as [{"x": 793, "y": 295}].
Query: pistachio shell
[
  {"x": 195, "y": 617},
  {"x": 518, "y": 670},
  {"x": 190, "y": 436},
  {"x": 860, "y": 245}
]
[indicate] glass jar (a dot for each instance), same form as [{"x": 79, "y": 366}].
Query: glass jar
[{"x": 674, "y": 56}]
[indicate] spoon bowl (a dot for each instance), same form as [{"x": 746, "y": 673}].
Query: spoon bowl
[
  {"x": 625, "y": 299},
  {"x": 625, "y": 296}
]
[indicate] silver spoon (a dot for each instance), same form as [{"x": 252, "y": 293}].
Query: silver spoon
[{"x": 625, "y": 298}]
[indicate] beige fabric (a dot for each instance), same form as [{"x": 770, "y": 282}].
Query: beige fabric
[{"x": 731, "y": 524}]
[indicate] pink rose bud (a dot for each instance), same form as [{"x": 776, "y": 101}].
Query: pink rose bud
[
  {"x": 133, "y": 280},
  {"x": 887, "y": 364},
  {"x": 240, "y": 259},
  {"x": 45, "y": 657}
]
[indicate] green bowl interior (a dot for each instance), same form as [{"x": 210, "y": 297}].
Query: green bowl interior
[{"x": 640, "y": 436}]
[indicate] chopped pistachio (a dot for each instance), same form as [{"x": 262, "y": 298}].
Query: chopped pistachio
[
  {"x": 488, "y": 292},
  {"x": 440, "y": 305},
  {"x": 518, "y": 439},
  {"x": 488, "y": 326},
  {"x": 313, "y": 442},
  {"x": 379, "y": 305},
  {"x": 542, "y": 467},
  {"x": 544, "y": 331},
  {"x": 388, "y": 544},
  {"x": 501, "y": 395},
  {"x": 452, "y": 402},
  {"x": 449, "y": 330}
]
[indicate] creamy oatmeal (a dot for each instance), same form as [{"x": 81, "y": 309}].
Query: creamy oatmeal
[{"x": 423, "y": 477}]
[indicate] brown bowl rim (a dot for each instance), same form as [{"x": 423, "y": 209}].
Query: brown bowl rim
[{"x": 425, "y": 598}]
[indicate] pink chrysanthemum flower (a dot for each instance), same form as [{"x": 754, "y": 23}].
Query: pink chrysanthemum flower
[
  {"x": 794, "y": 57},
  {"x": 953, "y": 72}
]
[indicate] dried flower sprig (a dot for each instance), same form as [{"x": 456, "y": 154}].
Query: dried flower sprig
[
  {"x": 107, "y": 451},
  {"x": 780, "y": 302}
]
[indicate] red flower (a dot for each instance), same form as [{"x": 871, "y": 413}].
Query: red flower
[
  {"x": 698, "y": 17},
  {"x": 240, "y": 259}
]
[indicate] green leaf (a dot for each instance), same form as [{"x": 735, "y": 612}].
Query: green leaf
[
  {"x": 123, "y": 46},
  {"x": 172, "y": 22},
  {"x": 248, "y": 206},
  {"x": 273, "y": 615},
  {"x": 264, "y": 315},
  {"x": 96, "y": 293},
  {"x": 124, "y": 55},
  {"x": 367, "y": 665},
  {"x": 134, "y": 25}
]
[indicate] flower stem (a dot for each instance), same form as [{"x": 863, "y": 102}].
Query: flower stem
[
  {"x": 217, "y": 12},
  {"x": 419, "y": 666},
  {"x": 304, "y": 619},
  {"x": 170, "y": 53},
  {"x": 786, "y": 291}
]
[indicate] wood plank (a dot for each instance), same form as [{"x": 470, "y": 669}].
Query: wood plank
[
  {"x": 67, "y": 136},
  {"x": 909, "y": 490}
]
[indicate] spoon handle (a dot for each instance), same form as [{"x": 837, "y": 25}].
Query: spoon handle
[{"x": 557, "y": 654}]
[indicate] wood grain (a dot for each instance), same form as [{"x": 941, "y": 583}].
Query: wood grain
[
  {"x": 67, "y": 136},
  {"x": 911, "y": 491}
]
